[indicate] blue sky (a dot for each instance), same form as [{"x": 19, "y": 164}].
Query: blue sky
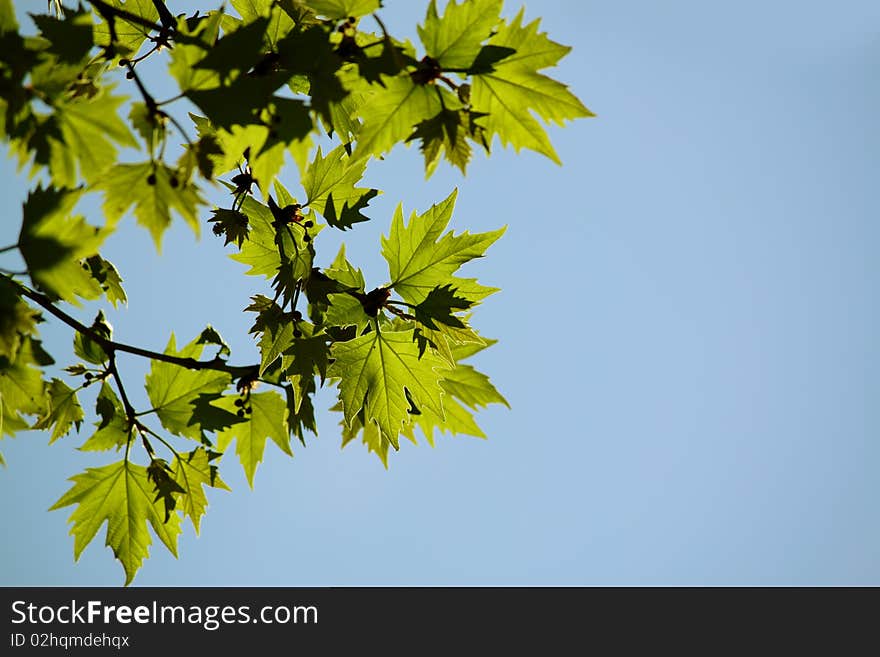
[{"x": 687, "y": 337}]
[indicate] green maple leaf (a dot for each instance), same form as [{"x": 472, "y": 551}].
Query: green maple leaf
[
  {"x": 238, "y": 141},
  {"x": 376, "y": 371},
  {"x": 370, "y": 435},
  {"x": 439, "y": 306},
  {"x": 167, "y": 489},
  {"x": 448, "y": 133},
  {"x": 237, "y": 50},
  {"x": 185, "y": 56},
  {"x": 262, "y": 251},
  {"x": 113, "y": 431},
  {"x": 305, "y": 356},
  {"x": 419, "y": 259},
  {"x": 471, "y": 387},
  {"x": 267, "y": 419},
  {"x": 17, "y": 319},
  {"x": 107, "y": 276},
  {"x": 199, "y": 155},
  {"x": 52, "y": 243},
  {"x": 330, "y": 186},
  {"x": 279, "y": 25},
  {"x": 464, "y": 387},
  {"x": 339, "y": 9},
  {"x": 70, "y": 37},
  {"x": 277, "y": 336},
  {"x": 193, "y": 471},
  {"x": 121, "y": 494},
  {"x": 392, "y": 112},
  {"x": 82, "y": 135},
  {"x": 21, "y": 387},
  {"x": 455, "y": 39},
  {"x": 252, "y": 94},
  {"x": 64, "y": 410},
  {"x": 125, "y": 185},
  {"x": 129, "y": 35},
  {"x": 210, "y": 336},
  {"x": 301, "y": 413},
  {"x": 174, "y": 390},
  {"x": 511, "y": 90},
  {"x": 232, "y": 224},
  {"x": 91, "y": 350}
]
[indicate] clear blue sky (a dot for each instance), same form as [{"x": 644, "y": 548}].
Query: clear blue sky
[{"x": 688, "y": 337}]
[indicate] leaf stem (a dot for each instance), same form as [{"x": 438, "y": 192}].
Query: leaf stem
[
  {"x": 160, "y": 439},
  {"x": 109, "y": 10},
  {"x": 9, "y": 248},
  {"x": 114, "y": 372},
  {"x": 171, "y": 100}
]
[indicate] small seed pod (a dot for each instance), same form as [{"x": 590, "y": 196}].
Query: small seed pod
[{"x": 151, "y": 179}]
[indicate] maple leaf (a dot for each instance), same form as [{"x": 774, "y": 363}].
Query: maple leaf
[
  {"x": 306, "y": 355},
  {"x": 114, "y": 430},
  {"x": 154, "y": 190},
  {"x": 339, "y": 9},
  {"x": 107, "y": 276},
  {"x": 159, "y": 473},
  {"x": 184, "y": 56},
  {"x": 69, "y": 37},
  {"x": 273, "y": 250},
  {"x": 267, "y": 419},
  {"x": 129, "y": 35},
  {"x": 230, "y": 223},
  {"x": 439, "y": 306},
  {"x": 174, "y": 390},
  {"x": 91, "y": 350},
  {"x": 17, "y": 319},
  {"x": 79, "y": 138},
  {"x": 512, "y": 89},
  {"x": 63, "y": 408},
  {"x": 329, "y": 184},
  {"x": 419, "y": 259},
  {"x": 370, "y": 435},
  {"x": 455, "y": 39},
  {"x": 464, "y": 387},
  {"x": 193, "y": 471},
  {"x": 279, "y": 25},
  {"x": 392, "y": 112},
  {"x": 21, "y": 387},
  {"x": 52, "y": 242},
  {"x": 448, "y": 133},
  {"x": 376, "y": 370},
  {"x": 122, "y": 495}
]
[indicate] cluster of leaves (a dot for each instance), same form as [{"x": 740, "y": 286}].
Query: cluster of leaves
[{"x": 274, "y": 78}]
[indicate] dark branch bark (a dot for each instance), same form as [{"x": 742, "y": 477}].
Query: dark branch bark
[{"x": 109, "y": 346}]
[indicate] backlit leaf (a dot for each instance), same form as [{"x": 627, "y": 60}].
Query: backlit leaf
[{"x": 120, "y": 494}]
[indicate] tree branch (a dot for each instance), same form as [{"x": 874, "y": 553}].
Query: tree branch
[{"x": 216, "y": 364}]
